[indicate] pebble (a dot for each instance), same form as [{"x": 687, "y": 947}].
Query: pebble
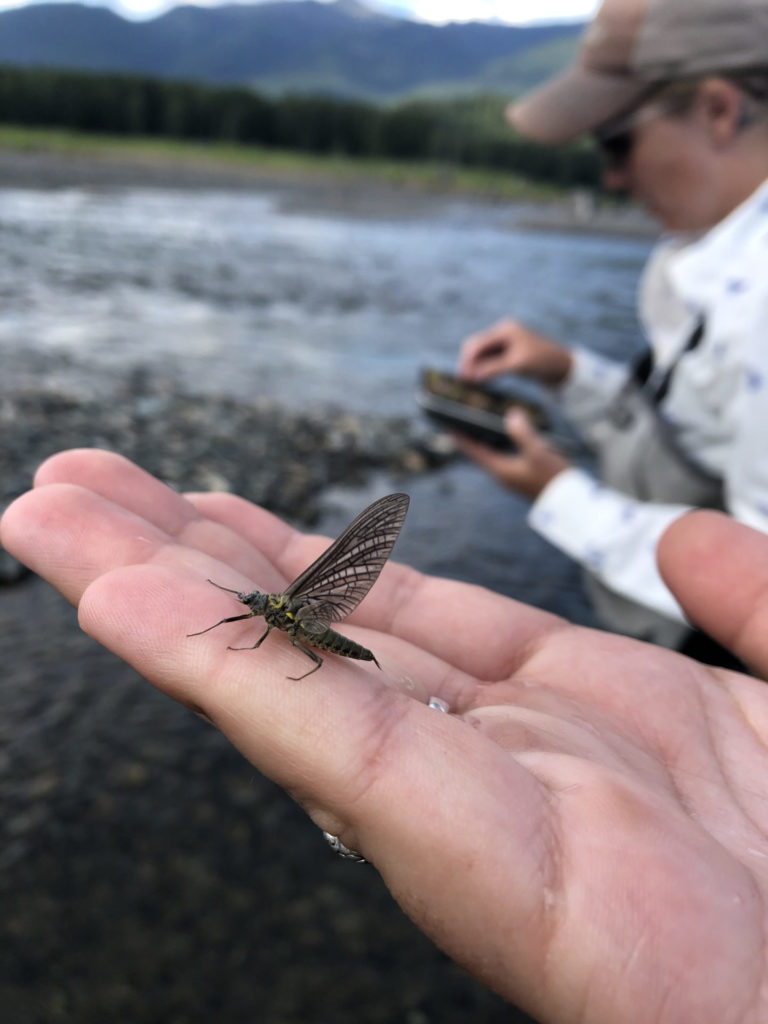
[{"x": 259, "y": 450}]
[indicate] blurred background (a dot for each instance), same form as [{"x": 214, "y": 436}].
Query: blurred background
[{"x": 230, "y": 240}]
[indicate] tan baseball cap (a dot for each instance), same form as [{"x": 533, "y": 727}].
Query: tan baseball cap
[{"x": 632, "y": 45}]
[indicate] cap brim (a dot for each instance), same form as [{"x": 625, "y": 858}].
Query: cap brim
[{"x": 576, "y": 102}]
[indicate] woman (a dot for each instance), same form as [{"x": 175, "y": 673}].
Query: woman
[{"x": 686, "y": 135}]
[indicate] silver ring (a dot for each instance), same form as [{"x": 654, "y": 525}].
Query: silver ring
[
  {"x": 438, "y": 704},
  {"x": 343, "y": 851}
]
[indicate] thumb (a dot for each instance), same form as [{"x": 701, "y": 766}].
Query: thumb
[
  {"x": 521, "y": 430},
  {"x": 718, "y": 571}
]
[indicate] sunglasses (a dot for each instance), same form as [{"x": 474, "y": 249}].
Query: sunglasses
[
  {"x": 617, "y": 140},
  {"x": 616, "y": 148}
]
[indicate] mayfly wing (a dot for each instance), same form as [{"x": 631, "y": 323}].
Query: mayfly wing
[{"x": 335, "y": 584}]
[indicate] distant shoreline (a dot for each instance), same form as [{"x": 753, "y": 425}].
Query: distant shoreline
[
  {"x": 301, "y": 189},
  {"x": 345, "y": 187},
  {"x": 57, "y": 157}
]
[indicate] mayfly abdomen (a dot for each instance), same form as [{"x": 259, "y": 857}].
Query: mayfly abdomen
[{"x": 335, "y": 643}]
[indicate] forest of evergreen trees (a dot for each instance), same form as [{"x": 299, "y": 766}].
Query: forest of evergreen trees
[{"x": 469, "y": 132}]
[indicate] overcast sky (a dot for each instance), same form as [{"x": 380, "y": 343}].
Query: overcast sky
[{"x": 513, "y": 11}]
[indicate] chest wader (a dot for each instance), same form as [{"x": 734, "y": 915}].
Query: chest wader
[{"x": 638, "y": 454}]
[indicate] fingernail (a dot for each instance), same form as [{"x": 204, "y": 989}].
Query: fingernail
[{"x": 514, "y": 419}]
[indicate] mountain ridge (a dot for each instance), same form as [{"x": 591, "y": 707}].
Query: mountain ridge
[{"x": 343, "y": 48}]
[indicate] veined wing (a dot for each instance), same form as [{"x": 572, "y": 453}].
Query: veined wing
[{"x": 335, "y": 584}]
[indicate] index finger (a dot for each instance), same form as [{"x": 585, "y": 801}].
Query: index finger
[
  {"x": 481, "y": 353},
  {"x": 69, "y": 536}
]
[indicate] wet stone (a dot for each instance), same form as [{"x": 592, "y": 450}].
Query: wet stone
[{"x": 258, "y": 450}]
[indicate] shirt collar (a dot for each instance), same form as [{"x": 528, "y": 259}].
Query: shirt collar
[{"x": 696, "y": 267}]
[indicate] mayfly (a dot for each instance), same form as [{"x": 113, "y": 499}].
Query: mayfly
[{"x": 329, "y": 589}]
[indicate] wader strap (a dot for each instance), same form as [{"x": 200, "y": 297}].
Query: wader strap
[
  {"x": 638, "y": 455},
  {"x": 644, "y": 371}
]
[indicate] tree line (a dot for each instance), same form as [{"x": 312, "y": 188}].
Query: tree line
[{"x": 469, "y": 132}]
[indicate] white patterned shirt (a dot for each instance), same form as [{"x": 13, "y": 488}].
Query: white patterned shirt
[{"x": 717, "y": 403}]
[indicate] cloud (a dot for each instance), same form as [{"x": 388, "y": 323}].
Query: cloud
[
  {"x": 437, "y": 11},
  {"x": 516, "y": 12}
]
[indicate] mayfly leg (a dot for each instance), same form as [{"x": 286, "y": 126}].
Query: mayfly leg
[
  {"x": 251, "y": 647},
  {"x": 232, "y": 618},
  {"x": 312, "y": 655}
]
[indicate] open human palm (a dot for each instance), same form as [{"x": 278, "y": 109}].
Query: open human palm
[{"x": 586, "y": 831}]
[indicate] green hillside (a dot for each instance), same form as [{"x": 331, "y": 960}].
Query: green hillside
[{"x": 341, "y": 48}]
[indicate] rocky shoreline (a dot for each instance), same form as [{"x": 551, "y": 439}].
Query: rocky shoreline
[
  {"x": 315, "y": 191},
  {"x": 304, "y": 190},
  {"x": 261, "y": 450}
]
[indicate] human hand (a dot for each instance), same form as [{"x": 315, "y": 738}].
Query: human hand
[
  {"x": 510, "y": 347},
  {"x": 586, "y": 831},
  {"x": 529, "y": 469}
]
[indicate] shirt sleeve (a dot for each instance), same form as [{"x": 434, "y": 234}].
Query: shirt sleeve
[
  {"x": 591, "y": 387},
  {"x": 746, "y": 473},
  {"x": 610, "y": 534}
]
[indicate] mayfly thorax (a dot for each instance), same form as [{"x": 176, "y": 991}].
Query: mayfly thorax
[{"x": 329, "y": 589}]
